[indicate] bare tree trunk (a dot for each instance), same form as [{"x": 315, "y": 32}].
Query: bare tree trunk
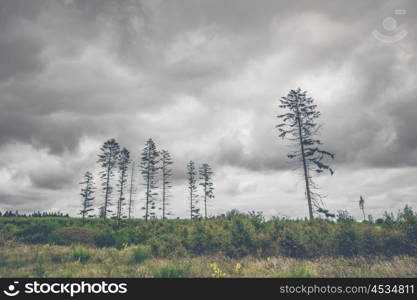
[
  {"x": 310, "y": 207},
  {"x": 191, "y": 204},
  {"x": 205, "y": 201},
  {"x": 107, "y": 189},
  {"x": 147, "y": 185},
  {"x": 131, "y": 191},
  {"x": 85, "y": 205},
  {"x": 119, "y": 204},
  {"x": 163, "y": 196}
]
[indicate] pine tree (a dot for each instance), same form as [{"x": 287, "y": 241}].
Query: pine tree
[
  {"x": 131, "y": 190},
  {"x": 108, "y": 161},
  {"x": 149, "y": 169},
  {"x": 123, "y": 164},
  {"x": 299, "y": 125},
  {"x": 166, "y": 170},
  {"x": 362, "y": 206},
  {"x": 206, "y": 174},
  {"x": 87, "y": 191},
  {"x": 192, "y": 179}
]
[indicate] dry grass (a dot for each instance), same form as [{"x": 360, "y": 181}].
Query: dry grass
[{"x": 62, "y": 261}]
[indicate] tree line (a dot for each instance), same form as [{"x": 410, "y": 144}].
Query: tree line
[
  {"x": 37, "y": 214},
  {"x": 155, "y": 168},
  {"x": 298, "y": 124}
]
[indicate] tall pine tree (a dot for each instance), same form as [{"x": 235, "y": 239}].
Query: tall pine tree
[
  {"x": 192, "y": 187},
  {"x": 108, "y": 159},
  {"x": 123, "y": 164},
  {"x": 299, "y": 126},
  {"x": 87, "y": 194},
  {"x": 149, "y": 168},
  {"x": 131, "y": 190},
  {"x": 206, "y": 182},
  {"x": 166, "y": 162}
]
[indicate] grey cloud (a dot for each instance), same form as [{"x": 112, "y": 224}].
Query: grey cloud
[
  {"x": 52, "y": 179},
  {"x": 203, "y": 78}
]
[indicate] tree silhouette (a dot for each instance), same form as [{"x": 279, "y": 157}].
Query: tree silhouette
[
  {"x": 149, "y": 169},
  {"x": 87, "y": 191},
  {"x": 166, "y": 162},
  {"x": 362, "y": 206},
  {"x": 108, "y": 161},
  {"x": 131, "y": 190},
  {"x": 299, "y": 126},
  {"x": 206, "y": 174},
  {"x": 123, "y": 164},
  {"x": 192, "y": 179}
]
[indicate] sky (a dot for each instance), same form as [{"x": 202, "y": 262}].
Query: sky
[{"x": 204, "y": 79}]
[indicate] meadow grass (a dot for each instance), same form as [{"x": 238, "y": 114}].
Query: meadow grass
[{"x": 20, "y": 260}]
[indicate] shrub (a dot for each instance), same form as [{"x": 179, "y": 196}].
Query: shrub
[
  {"x": 243, "y": 238},
  {"x": 9, "y": 229},
  {"x": 200, "y": 240},
  {"x": 346, "y": 240},
  {"x": 105, "y": 239},
  {"x": 37, "y": 232},
  {"x": 173, "y": 271},
  {"x": 141, "y": 253},
  {"x": 73, "y": 235},
  {"x": 394, "y": 243},
  {"x": 292, "y": 247},
  {"x": 81, "y": 254},
  {"x": 409, "y": 227},
  {"x": 370, "y": 241}
]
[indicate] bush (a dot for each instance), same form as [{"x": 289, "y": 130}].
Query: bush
[
  {"x": 9, "y": 229},
  {"x": 290, "y": 246},
  {"x": 141, "y": 253},
  {"x": 37, "y": 232},
  {"x": 106, "y": 239},
  {"x": 394, "y": 243},
  {"x": 81, "y": 254},
  {"x": 73, "y": 235},
  {"x": 173, "y": 271},
  {"x": 201, "y": 240},
  {"x": 346, "y": 240},
  {"x": 243, "y": 238}
]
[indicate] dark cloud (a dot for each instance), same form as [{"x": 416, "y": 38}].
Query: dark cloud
[
  {"x": 52, "y": 178},
  {"x": 203, "y": 78}
]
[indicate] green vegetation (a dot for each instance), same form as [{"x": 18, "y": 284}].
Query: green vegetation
[
  {"x": 172, "y": 270},
  {"x": 231, "y": 245},
  {"x": 233, "y": 235},
  {"x": 81, "y": 254},
  {"x": 141, "y": 253}
]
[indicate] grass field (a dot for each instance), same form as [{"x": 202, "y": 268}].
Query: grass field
[{"x": 79, "y": 261}]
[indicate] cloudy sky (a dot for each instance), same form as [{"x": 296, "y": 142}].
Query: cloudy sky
[{"x": 203, "y": 78}]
